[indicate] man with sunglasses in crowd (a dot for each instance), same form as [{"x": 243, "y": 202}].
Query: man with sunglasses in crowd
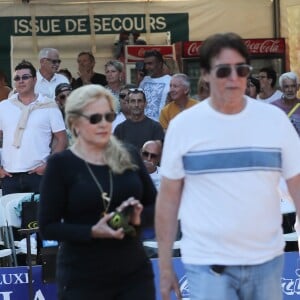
[
  {"x": 47, "y": 76},
  {"x": 151, "y": 153},
  {"x": 138, "y": 129},
  {"x": 222, "y": 164},
  {"x": 28, "y": 122}
]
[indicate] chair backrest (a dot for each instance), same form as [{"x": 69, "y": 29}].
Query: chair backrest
[
  {"x": 2, "y": 217},
  {"x": 9, "y": 208},
  {"x": 6, "y": 198}
]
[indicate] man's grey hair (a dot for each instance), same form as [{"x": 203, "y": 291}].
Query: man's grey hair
[
  {"x": 45, "y": 52},
  {"x": 185, "y": 79},
  {"x": 289, "y": 75}
]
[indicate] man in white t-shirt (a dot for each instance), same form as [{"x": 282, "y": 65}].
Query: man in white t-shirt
[
  {"x": 47, "y": 77},
  {"x": 220, "y": 168},
  {"x": 28, "y": 122},
  {"x": 156, "y": 84}
]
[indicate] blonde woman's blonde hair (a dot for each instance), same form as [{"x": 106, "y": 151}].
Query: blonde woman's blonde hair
[{"x": 115, "y": 154}]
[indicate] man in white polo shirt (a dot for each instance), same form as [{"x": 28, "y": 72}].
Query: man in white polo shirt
[
  {"x": 47, "y": 77},
  {"x": 28, "y": 122}
]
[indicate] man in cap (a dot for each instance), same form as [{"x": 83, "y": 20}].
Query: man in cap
[{"x": 62, "y": 91}]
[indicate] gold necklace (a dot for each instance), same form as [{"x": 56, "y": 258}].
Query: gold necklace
[{"x": 106, "y": 199}]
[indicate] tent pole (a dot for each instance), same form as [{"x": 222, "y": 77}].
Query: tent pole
[{"x": 276, "y": 18}]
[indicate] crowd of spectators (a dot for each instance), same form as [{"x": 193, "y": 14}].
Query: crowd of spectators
[{"x": 32, "y": 114}]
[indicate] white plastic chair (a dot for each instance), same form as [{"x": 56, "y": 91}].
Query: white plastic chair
[
  {"x": 5, "y": 239},
  {"x": 8, "y": 204}
]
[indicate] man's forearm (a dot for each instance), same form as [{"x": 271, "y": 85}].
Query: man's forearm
[
  {"x": 294, "y": 189},
  {"x": 60, "y": 142},
  {"x": 166, "y": 222}
]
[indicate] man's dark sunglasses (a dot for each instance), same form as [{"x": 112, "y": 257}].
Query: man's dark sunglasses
[
  {"x": 152, "y": 155},
  {"x": 224, "y": 70},
  {"x": 23, "y": 77},
  {"x": 62, "y": 97},
  {"x": 54, "y": 61},
  {"x": 122, "y": 96},
  {"x": 97, "y": 118}
]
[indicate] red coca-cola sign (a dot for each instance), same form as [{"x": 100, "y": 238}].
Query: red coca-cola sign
[
  {"x": 265, "y": 46},
  {"x": 136, "y": 53},
  {"x": 191, "y": 49},
  {"x": 255, "y": 46}
]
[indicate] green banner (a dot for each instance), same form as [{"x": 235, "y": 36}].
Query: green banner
[
  {"x": 103, "y": 24},
  {"x": 176, "y": 23}
]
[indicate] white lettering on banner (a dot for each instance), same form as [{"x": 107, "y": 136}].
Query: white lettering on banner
[
  {"x": 160, "y": 23},
  {"x": 184, "y": 288},
  {"x": 193, "y": 49},
  {"x": 39, "y": 295},
  {"x": 6, "y": 295},
  {"x": 80, "y": 25},
  {"x": 267, "y": 46},
  {"x": 290, "y": 286},
  {"x": 14, "y": 278},
  {"x": 24, "y": 26},
  {"x": 77, "y": 25}
]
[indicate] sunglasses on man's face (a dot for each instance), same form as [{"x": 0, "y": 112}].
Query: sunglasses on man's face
[
  {"x": 54, "y": 61},
  {"x": 97, "y": 118},
  {"x": 23, "y": 77},
  {"x": 147, "y": 154},
  {"x": 62, "y": 97},
  {"x": 122, "y": 96},
  {"x": 224, "y": 70}
]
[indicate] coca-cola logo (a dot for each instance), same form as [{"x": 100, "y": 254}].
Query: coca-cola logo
[
  {"x": 193, "y": 49},
  {"x": 264, "y": 46}
]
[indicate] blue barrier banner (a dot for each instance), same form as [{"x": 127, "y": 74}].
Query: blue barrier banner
[
  {"x": 14, "y": 281},
  {"x": 14, "y": 284}
]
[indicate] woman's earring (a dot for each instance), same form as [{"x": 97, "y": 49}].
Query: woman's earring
[{"x": 76, "y": 132}]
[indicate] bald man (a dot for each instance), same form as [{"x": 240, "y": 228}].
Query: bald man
[{"x": 151, "y": 153}]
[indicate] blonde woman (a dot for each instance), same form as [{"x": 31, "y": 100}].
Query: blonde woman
[
  {"x": 114, "y": 77},
  {"x": 82, "y": 189}
]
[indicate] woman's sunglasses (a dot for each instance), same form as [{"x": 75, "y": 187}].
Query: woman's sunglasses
[
  {"x": 97, "y": 118},
  {"x": 223, "y": 71}
]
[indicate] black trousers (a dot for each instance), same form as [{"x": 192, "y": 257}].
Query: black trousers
[
  {"x": 140, "y": 290},
  {"x": 21, "y": 183}
]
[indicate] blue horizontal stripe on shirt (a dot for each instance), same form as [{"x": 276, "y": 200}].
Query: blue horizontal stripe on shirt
[{"x": 232, "y": 160}]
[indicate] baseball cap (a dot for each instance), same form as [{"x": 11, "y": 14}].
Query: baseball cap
[{"x": 62, "y": 87}]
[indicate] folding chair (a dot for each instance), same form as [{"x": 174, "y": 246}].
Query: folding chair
[
  {"x": 4, "y": 253},
  {"x": 8, "y": 203},
  {"x": 13, "y": 221}
]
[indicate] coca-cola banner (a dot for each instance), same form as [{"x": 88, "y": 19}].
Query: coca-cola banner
[
  {"x": 136, "y": 53},
  {"x": 265, "y": 46},
  {"x": 255, "y": 46}
]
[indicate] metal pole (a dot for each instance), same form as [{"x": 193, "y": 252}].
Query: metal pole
[{"x": 276, "y": 18}]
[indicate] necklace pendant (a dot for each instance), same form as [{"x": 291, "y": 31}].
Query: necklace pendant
[{"x": 105, "y": 197}]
